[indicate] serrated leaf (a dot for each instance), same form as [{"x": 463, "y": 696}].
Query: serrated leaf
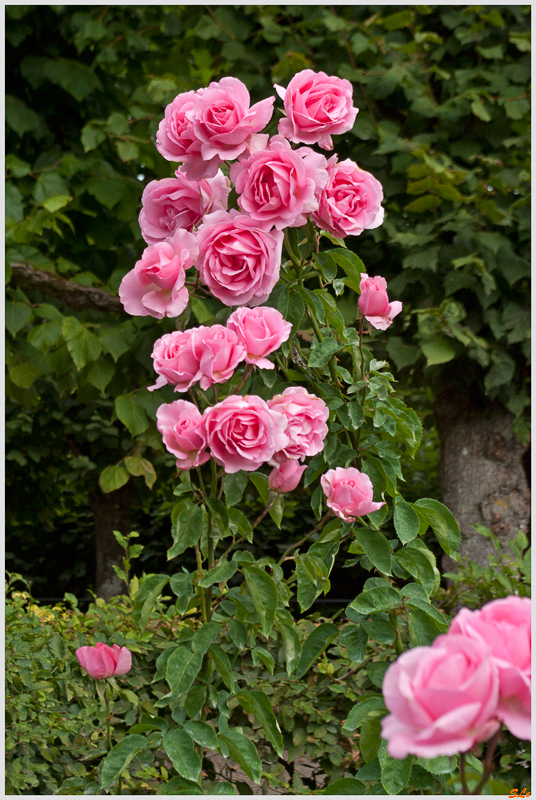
[
  {"x": 223, "y": 666},
  {"x": 406, "y": 521},
  {"x": 131, "y": 414},
  {"x": 223, "y": 572},
  {"x": 188, "y": 529},
  {"x": 182, "y": 669},
  {"x": 321, "y": 354},
  {"x": 204, "y": 636},
  {"x": 146, "y": 598},
  {"x": 345, "y": 786},
  {"x": 244, "y": 752},
  {"x": 376, "y": 548},
  {"x": 438, "y": 350},
  {"x": 291, "y": 644},
  {"x": 81, "y": 343},
  {"x": 112, "y": 478},
  {"x": 120, "y": 757},
  {"x": 100, "y": 372},
  {"x": 361, "y": 710},
  {"x": 352, "y": 266},
  {"x": 23, "y": 375},
  {"x": 314, "y": 646},
  {"x": 257, "y": 703},
  {"x": 179, "y": 746},
  {"x": 380, "y": 598},
  {"x": 263, "y": 592},
  {"x": 234, "y": 485},
  {"x": 203, "y": 734},
  {"x": 17, "y": 316},
  {"x": 395, "y": 771},
  {"x": 443, "y": 523},
  {"x": 181, "y": 585},
  {"x": 354, "y": 638}
]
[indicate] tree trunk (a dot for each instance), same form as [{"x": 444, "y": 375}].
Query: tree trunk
[
  {"x": 111, "y": 512},
  {"x": 481, "y": 471}
]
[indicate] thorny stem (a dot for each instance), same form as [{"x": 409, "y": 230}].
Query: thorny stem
[
  {"x": 488, "y": 765},
  {"x": 301, "y": 541}
]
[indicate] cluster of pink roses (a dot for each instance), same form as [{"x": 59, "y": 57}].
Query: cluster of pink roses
[
  {"x": 210, "y": 354},
  {"x": 445, "y": 698},
  {"x": 238, "y": 253},
  {"x": 246, "y": 432}
]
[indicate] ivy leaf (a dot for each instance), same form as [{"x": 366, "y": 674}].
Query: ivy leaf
[
  {"x": 81, "y": 343},
  {"x": 131, "y": 415}
]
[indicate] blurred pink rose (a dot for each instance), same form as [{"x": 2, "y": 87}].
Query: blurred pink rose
[
  {"x": 218, "y": 351},
  {"x": 442, "y": 699},
  {"x": 224, "y": 122},
  {"x": 277, "y": 185},
  {"x": 350, "y": 201},
  {"x": 261, "y": 330},
  {"x": 183, "y": 433},
  {"x": 238, "y": 261},
  {"x": 175, "y": 362},
  {"x": 349, "y": 493},
  {"x": 156, "y": 284},
  {"x": 374, "y": 303},
  {"x": 243, "y": 433},
  {"x": 103, "y": 661},
  {"x": 286, "y": 476},
  {"x": 504, "y": 625},
  {"x": 306, "y": 417},
  {"x": 174, "y": 203},
  {"x": 317, "y": 105}
]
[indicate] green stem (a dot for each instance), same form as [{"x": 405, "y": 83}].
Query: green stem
[
  {"x": 361, "y": 326},
  {"x": 399, "y": 645},
  {"x": 291, "y": 255},
  {"x": 301, "y": 541},
  {"x": 259, "y": 519},
  {"x": 108, "y": 720},
  {"x": 488, "y": 765},
  {"x": 244, "y": 379},
  {"x": 465, "y": 788},
  {"x": 200, "y": 589}
]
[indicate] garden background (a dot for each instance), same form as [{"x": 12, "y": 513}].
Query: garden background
[{"x": 443, "y": 124}]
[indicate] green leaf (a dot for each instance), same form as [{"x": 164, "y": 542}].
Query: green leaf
[
  {"x": 203, "y": 734},
  {"x": 233, "y": 486},
  {"x": 291, "y": 644},
  {"x": 179, "y": 746},
  {"x": 120, "y": 757},
  {"x": 345, "y": 786},
  {"x": 181, "y": 585},
  {"x": 422, "y": 628},
  {"x": 92, "y": 136},
  {"x": 223, "y": 666},
  {"x": 131, "y": 415},
  {"x": 379, "y": 630},
  {"x": 146, "y": 598},
  {"x": 100, "y": 373},
  {"x": 308, "y": 581},
  {"x": 260, "y": 482},
  {"x": 204, "y": 636},
  {"x": 395, "y": 771},
  {"x": 187, "y": 531},
  {"x": 399, "y": 20},
  {"x": 55, "y": 203},
  {"x": 376, "y": 548},
  {"x": 73, "y": 76},
  {"x": 291, "y": 305},
  {"x": 244, "y": 752},
  {"x": 406, "y": 520},
  {"x": 424, "y": 203},
  {"x": 127, "y": 151},
  {"x": 441, "y": 765},
  {"x": 263, "y": 592},
  {"x": 352, "y": 266},
  {"x": 443, "y": 523},
  {"x": 223, "y": 572},
  {"x": 16, "y": 166},
  {"x": 257, "y": 703},
  {"x": 418, "y": 566},
  {"x": 361, "y": 710},
  {"x": 223, "y": 787},
  {"x": 49, "y": 185},
  {"x": 23, "y": 375},
  {"x": 116, "y": 341},
  {"x": 20, "y": 118},
  {"x": 238, "y": 633},
  {"x": 438, "y": 350},
  {"x": 112, "y": 478},
  {"x": 138, "y": 466},
  {"x": 182, "y": 669},
  {"x": 81, "y": 343},
  {"x": 17, "y": 315},
  {"x": 354, "y": 638},
  {"x": 314, "y": 646},
  {"x": 14, "y": 208},
  {"x": 380, "y": 598},
  {"x": 369, "y": 739},
  {"x": 321, "y": 354}
]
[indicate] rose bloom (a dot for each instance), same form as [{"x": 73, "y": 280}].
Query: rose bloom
[
  {"x": 183, "y": 433},
  {"x": 174, "y": 203},
  {"x": 278, "y": 185},
  {"x": 218, "y": 351},
  {"x": 350, "y": 201},
  {"x": 349, "y": 493},
  {"x": 243, "y": 433},
  {"x": 317, "y": 105},
  {"x": 175, "y": 362},
  {"x": 504, "y": 625},
  {"x": 224, "y": 122},
  {"x": 103, "y": 661},
  {"x": 442, "y": 699},
  {"x": 155, "y": 286},
  {"x": 238, "y": 261},
  {"x": 306, "y": 423},
  {"x": 261, "y": 330},
  {"x": 176, "y": 140},
  {"x": 286, "y": 476},
  {"x": 374, "y": 303}
]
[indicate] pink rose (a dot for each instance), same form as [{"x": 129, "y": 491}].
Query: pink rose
[
  {"x": 286, "y": 476},
  {"x": 175, "y": 362},
  {"x": 177, "y": 141},
  {"x": 504, "y": 626},
  {"x": 261, "y": 330},
  {"x": 155, "y": 286},
  {"x": 278, "y": 185},
  {"x": 374, "y": 303},
  {"x": 224, "y": 122},
  {"x": 238, "y": 261},
  {"x": 103, "y": 661},
  {"x": 350, "y": 201},
  {"x": 179, "y": 203},
  {"x": 218, "y": 351},
  {"x": 349, "y": 493},
  {"x": 243, "y": 433},
  {"x": 317, "y": 105},
  {"x": 306, "y": 417},
  {"x": 442, "y": 699},
  {"x": 183, "y": 433}
]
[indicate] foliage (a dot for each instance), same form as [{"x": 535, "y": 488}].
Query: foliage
[{"x": 85, "y": 97}]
